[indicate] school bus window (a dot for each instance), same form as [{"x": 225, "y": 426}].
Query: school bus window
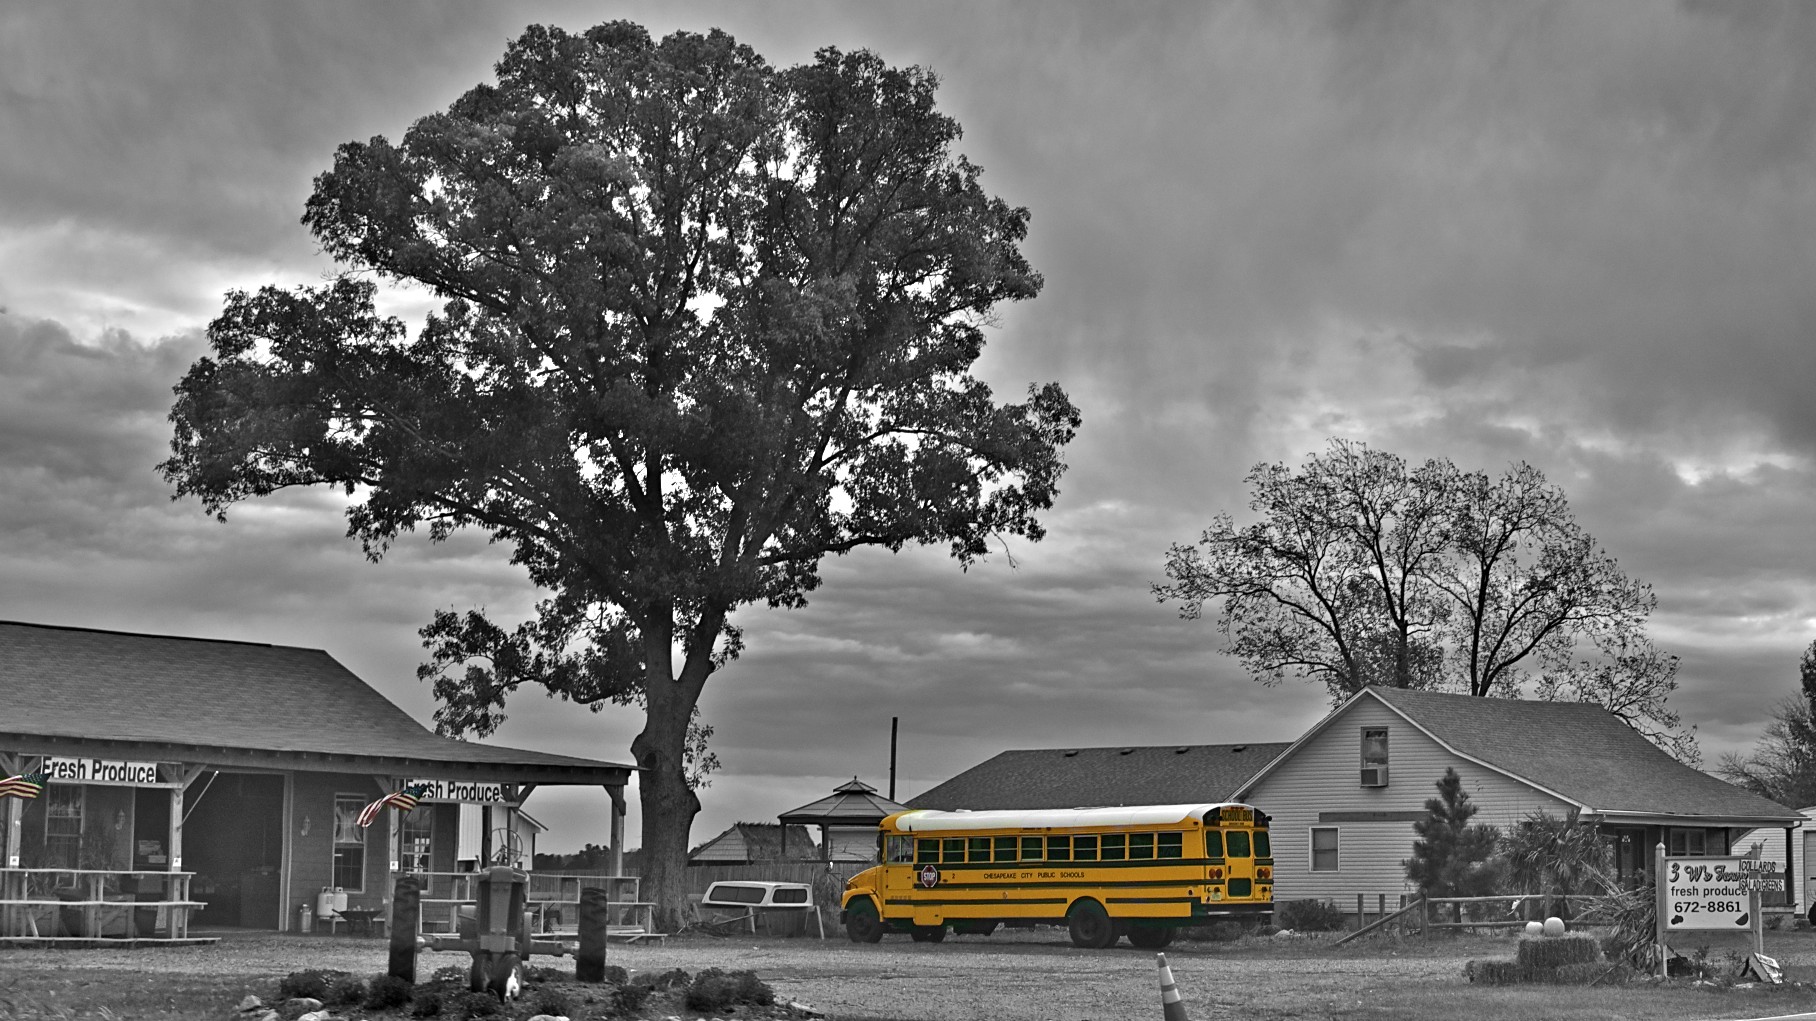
[
  {"x": 1031, "y": 847},
  {"x": 980, "y": 849},
  {"x": 1172, "y": 845},
  {"x": 954, "y": 851},
  {"x": 1059, "y": 848},
  {"x": 1084, "y": 848},
  {"x": 1213, "y": 843},
  {"x": 1262, "y": 849},
  {"x": 1238, "y": 844},
  {"x": 1112, "y": 846},
  {"x": 1005, "y": 849},
  {"x": 901, "y": 849},
  {"x": 926, "y": 852},
  {"x": 1141, "y": 845}
]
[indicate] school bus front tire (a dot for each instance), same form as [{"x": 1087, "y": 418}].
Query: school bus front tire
[
  {"x": 1090, "y": 925},
  {"x": 862, "y": 923}
]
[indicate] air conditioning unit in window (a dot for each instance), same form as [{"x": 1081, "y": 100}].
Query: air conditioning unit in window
[{"x": 1374, "y": 776}]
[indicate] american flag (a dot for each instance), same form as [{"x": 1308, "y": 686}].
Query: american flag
[
  {"x": 25, "y": 785},
  {"x": 403, "y": 800}
]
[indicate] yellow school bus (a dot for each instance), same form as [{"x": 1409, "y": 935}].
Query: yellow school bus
[{"x": 1141, "y": 871}]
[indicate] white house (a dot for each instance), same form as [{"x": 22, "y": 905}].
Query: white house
[{"x": 1343, "y": 797}]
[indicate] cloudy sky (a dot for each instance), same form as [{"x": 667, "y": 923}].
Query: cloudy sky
[{"x": 1579, "y": 235}]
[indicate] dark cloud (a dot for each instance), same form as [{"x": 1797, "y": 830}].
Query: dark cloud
[{"x": 1574, "y": 235}]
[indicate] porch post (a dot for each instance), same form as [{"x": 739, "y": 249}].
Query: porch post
[
  {"x": 393, "y": 834},
  {"x": 1791, "y": 899},
  {"x": 185, "y": 774},
  {"x": 13, "y": 765},
  {"x": 617, "y": 827}
]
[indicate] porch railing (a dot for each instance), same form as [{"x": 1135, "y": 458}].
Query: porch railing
[{"x": 54, "y": 903}]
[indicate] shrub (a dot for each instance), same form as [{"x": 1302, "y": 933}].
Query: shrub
[
  {"x": 449, "y": 973},
  {"x": 674, "y": 978},
  {"x": 550, "y": 1001},
  {"x": 544, "y": 973},
  {"x": 752, "y": 989},
  {"x": 312, "y": 984},
  {"x": 1310, "y": 916},
  {"x": 425, "y": 1003},
  {"x": 346, "y": 991},
  {"x": 1494, "y": 973},
  {"x": 387, "y": 991},
  {"x": 475, "y": 1005},
  {"x": 629, "y": 998},
  {"x": 713, "y": 989},
  {"x": 616, "y": 976},
  {"x": 710, "y": 990},
  {"x": 1546, "y": 953}
]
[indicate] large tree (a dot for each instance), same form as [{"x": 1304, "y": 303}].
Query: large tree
[
  {"x": 1783, "y": 765},
  {"x": 1362, "y": 569},
  {"x": 704, "y": 322}
]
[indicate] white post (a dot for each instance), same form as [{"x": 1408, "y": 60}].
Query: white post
[{"x": 1658, "y": 901}]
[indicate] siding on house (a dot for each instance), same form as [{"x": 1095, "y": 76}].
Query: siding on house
[
  {"x": 1322, "y": 780},
  {"x": 1772, "y": 841}
]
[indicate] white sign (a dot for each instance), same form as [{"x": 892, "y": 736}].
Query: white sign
[
  {"x": 454, "y": 790},
  {"x": 110, "y": 771},
  {"x": 1712, "y": 893}
]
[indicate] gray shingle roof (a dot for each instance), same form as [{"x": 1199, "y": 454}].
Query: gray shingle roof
[
  {"x": 854, "y": 804},
  {"x": 1580, "y": 751},
  {"x": 1102, "y": 777},
  {"x": 759, "y": 842},
  {"x": 200, "y": 693}
]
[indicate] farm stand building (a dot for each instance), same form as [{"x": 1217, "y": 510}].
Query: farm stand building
[{"x": 234, "y": 772}]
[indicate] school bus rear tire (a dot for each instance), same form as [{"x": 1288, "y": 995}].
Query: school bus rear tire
[
  {"x": 927, "y": 933},
  {"x": 862, "y": 923},
  {"x": 1150, "y": 937},
  {"x": 1089, "y": 925}
]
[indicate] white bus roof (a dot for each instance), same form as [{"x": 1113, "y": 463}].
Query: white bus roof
[{"x": 927, "y": 820}]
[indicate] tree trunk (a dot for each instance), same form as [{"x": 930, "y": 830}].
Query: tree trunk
[
  {"x": 669, "y": 807},
  {"x": 668, "y": 804}
]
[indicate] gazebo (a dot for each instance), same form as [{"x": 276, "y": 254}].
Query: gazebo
[{"x": 847, "y": 819}]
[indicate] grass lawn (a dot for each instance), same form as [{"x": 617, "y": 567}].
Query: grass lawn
[{"x": 1034, "y": 976}]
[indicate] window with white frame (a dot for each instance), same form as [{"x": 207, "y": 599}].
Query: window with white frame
[
  {"x": 1324, "y": 848},
  {"x": 349, "y": 843},
  {"x": 415, "y": 830}
]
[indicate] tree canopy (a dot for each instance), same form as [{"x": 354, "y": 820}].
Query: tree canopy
[
  {"x": 703, "y": 322},
  {"x": 1363, "y": 569},
  {"x": 1782, "y": 766}
]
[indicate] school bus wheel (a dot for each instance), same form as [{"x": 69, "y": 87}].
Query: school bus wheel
[
  {"x": 1150, "y": 937},
  {"x": 1089, "y": 925},
  {"x": 861, "y": 921}
]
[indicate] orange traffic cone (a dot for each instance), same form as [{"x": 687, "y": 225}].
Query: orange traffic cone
[{"x": 1172, "y": 1009}]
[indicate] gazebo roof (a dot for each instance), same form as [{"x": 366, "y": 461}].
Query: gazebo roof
[{"x": 850, "y": 804}]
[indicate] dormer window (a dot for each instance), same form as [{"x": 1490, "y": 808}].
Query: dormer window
[{"x": 1374, "y": 756}]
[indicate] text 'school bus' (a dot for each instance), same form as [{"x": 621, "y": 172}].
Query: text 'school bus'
[{"x": 1140, "y": 871}]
